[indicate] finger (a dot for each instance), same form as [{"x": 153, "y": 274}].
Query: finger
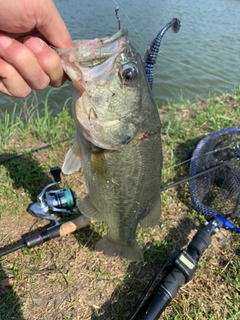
[
  {"x": 52, "y": 26},
  {"x": 20, "y": 36},
  {"x": 48, "y": 59},
  {"x": 24, "y": 61},
  {"x": 11, "y": 83}
]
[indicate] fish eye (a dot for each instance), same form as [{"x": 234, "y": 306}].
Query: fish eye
[{"x": 128, "y": 73}]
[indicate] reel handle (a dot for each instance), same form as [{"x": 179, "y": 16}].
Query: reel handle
[{"x": 56, "y": 173}]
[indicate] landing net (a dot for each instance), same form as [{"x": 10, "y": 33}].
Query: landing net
[{"x": 217, "y": 192}]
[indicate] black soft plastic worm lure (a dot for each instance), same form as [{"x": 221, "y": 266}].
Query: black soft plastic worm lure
[{"x": 153, "y": 50}]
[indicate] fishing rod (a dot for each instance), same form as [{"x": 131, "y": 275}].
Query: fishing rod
[
  {"x": 163, "y": 188},
  {"x": 182, "y": 265},
  {"x": 179, "y": 270},
  {"x": 64, "y": 201},
  {"x": 54, "y": 201},
  {"x": 205, "y": 191},
  {"x": 49, "y": 145},
  {"x": 58, "y": 230}
]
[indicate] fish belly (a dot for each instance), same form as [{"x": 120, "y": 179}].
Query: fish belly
[{"x": 123, "y": 190}]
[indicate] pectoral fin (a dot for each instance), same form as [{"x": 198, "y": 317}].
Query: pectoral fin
[
  {"x": 72, "y": 161},
  {"x": 153, "y": 217},
  {"x": 89, "y": 210}
]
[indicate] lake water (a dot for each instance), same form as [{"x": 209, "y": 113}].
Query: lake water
[{"x": 203, "y": 57}]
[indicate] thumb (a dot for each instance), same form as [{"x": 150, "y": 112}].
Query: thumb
[{"x": 51, "y": 25}]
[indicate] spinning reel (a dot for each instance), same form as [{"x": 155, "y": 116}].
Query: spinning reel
[
  {"x": 48, "y": 203},
  {"x": 55, "y": 201}
]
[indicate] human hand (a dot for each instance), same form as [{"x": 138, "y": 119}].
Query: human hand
[{"x": 26, "y": 60}]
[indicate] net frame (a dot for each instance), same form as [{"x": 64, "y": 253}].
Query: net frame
[{"x": 207, "y": 155}]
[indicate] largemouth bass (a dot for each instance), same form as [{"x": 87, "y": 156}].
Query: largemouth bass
[{"x": 118, "y": 141}]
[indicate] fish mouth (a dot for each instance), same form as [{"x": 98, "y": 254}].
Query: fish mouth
[
  {"x": 92, "y": 65},
  {"x": 96, "y": 53},
  {"x": 90, "y": 53}
]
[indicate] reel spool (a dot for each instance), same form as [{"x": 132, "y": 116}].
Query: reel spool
[{"x": 58, "y": 200}]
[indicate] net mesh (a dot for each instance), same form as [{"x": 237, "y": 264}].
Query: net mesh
[{"x": 217, "y": 190}]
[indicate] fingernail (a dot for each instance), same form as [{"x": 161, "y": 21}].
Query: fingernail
[
  {"x": 35, "y": 44},
  {"x": 5, "y": 41}
]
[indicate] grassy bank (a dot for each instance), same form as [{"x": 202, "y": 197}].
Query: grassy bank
[{"x": 65, "y": 278}]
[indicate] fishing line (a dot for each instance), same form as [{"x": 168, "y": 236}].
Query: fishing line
[
  {"x": 173, "y": 60},
  {"x": 135, "y": 29},
  {"x": 195, "y": 69},
  {"x": 164, "y": 187},
  {"x": 195, "y": 157},
  {"x": 176, "y": 183}
]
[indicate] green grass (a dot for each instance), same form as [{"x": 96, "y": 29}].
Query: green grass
[
  {"x": 35, "y": 124},
  {"x": 65, "y": 278}
]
